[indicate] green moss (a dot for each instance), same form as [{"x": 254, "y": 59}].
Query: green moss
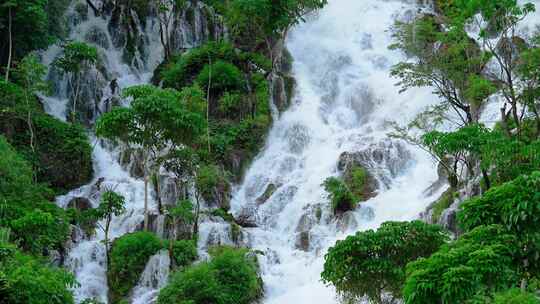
[
  {"x": 128, "y": 257},
  {"x": 357, "y": 181},
  {"x": 446, "y": 199}
]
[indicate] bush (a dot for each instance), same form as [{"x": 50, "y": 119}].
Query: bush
[
  {"x": 515, "y": 296},
  {"x": 37, "y": 224},
  {"x": 128, "y": 257},
  {"x": 184, "y": 252},
  {"x": 209, "y": 179},
  {"x": 59, "y": 147},
  {"x": 341, "y": 197},
  {"x": 222, "y": 76},
  {"x": 183, "y": 69},
  {"x": 372, "y": 263},
  {"x": 26, "y": 280},
  {"x": 229, "y": 278}
]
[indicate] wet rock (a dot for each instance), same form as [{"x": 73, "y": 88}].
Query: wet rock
[
  {"x": 97, "y": 36},
  {"x": 306, "y": 222},
  {"x": 303, "y": 240},
  {"x": 133, "y": 161},
  {"x": 268, "y": 192},
  {"x": 346, "y": 222},
  {"x": 79, "y": 203},
  {"x": 383, "y": 160},
  {"x": 247, "y": 217}
]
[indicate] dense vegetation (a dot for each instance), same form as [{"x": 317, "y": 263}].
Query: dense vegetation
[
  {"x": 230, "y": 277},
  {"x": 203, "y": 123},
  {"x": 494, "y": 257}
]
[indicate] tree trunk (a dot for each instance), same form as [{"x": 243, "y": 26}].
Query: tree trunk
[
  {"x": 107, "y": 238},
  {"x": 10, "y": 44},
  {"x": 208, "y": 102},
  {"x": 145, "y": 191}
]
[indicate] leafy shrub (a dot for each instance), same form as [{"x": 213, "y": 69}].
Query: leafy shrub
[
  {"x": 184, "y": 252},
  {"x": 36, "y": 223},
  {"x": 371, "y": 263},
  {"x": 229, "y": 278},
  {"x": 183, "y": 69},
  {"x": 209, "y": 179},
  {"x": 128, "y": 257},
  {"x": 341, "y": 197},
  {"x": 515, "y": 296},
  {"x": 222, "y": 76},
  {"x": 26, "y": 280}
]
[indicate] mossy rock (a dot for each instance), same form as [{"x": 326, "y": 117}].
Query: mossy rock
[
  {"x": 361, "y": 183},
  {"x": 445, "y": 200}
]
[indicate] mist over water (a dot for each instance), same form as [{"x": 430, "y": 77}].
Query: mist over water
[{"x": 344, "y": 102}]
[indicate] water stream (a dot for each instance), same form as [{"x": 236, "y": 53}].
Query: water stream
[{"x": 345, "y": 100}]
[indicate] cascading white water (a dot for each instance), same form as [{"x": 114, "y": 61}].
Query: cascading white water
[{"x": 344, "y": 103}]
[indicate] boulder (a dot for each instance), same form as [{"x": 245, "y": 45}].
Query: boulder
[{"x": 268, "y": 192}]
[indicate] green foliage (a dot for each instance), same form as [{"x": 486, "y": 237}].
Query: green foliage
[
  {"x": 221, "y": 76},
  {"x": 372, "y": 262},
  {"x": 341, "y": 197},
  {"x": 35, "y": 25},
  {"x": 38, "y": 230},
  {"x": 516, "y": 206},
  {"x": 253, "y": 22},
  {"x": 157, "y": 117},
  {"x": 27, "y": 280},
  {"x": 37, "y": 224},
  {"x": 226, "y": 216},
  {"x": 209, "y": 179},
  {"x": 76, "y": 57},
  {"x": 128, "y": 257},
  {"x": 479, "y": 262},
  {"x": 111, "y": 203},
  {"x": 59, "y": 147},
  {"x": 184, "y": 252},
  {"x": 229, "y": 278},
  {"x": 515, "y": 296},
  {"x": 358, "y": 182},
  {"x": 183, "y": 69}
]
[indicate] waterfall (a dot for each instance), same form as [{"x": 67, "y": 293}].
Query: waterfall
[{"x": 344, "y": 102}]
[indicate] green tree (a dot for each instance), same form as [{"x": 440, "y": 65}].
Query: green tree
[
  {"x": 498, "y": 37},
  {"x": 372, "y": 263},
  {"x": 477, "y": 263},
  {"x": 516, "y": 206},
  {"x": 111, "y": 203},
  {"x": 77, "y": 58},
  {"x": 31, "y": 73},
  {"x": 157, "y": 118}
]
